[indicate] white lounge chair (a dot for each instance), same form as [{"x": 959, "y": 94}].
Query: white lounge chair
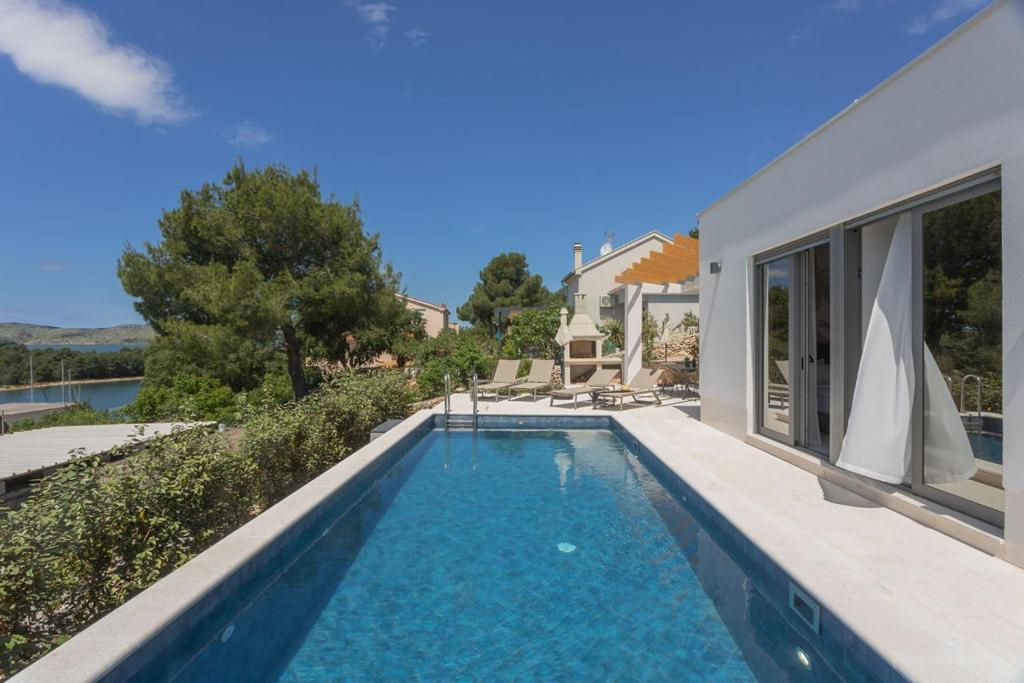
[
  {"x": 539, "y": 378},
  {"x": 645, "y": 382},
  {"x": 504, "y": 377},
  {"x": 601, "y": 379}
]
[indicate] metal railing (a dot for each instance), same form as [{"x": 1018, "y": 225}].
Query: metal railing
[
  {"x": 448, "y": 417},
  {"x": 447, "y": 397},
  {"x": 963, "y": 388},
  {"x": 474, "y": 396}
]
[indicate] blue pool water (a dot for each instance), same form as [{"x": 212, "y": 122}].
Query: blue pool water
[
  {"x": 511, "y": 555},
  {"x": 987, "y": 446}
]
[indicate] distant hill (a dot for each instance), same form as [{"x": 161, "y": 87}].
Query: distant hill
[{"x": 24, "y": 333}]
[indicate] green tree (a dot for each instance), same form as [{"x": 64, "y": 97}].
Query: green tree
[
  {"x": 263, "y": 261},
  {"x": 504, "y": 281},
  {"x": 531, "y": 334}
]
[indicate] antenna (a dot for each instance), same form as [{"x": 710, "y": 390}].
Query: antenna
[{"x": 607, "y": 248}]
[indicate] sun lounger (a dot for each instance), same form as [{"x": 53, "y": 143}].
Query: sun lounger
[
  {"x": 645, "y": 382},
  {"x": 504, "y": 377},
  {"x": 539, "y": 378},
  {"x": 600, "y": 380}
]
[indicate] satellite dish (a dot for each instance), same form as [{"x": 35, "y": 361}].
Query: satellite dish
[{"x": 606, "y": 248}]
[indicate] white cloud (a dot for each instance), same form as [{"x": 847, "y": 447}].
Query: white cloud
[
  {"x": 250, "y": 134},
  {"x": 944, "y": 11},
  {"x": 60, "y": 44},
  {"x": 375, "y": 16},
  {"x": 417, "y": 36},
  {"x": 51, "y": 267}
]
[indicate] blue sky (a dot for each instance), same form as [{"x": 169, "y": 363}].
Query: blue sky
[{"x": 466, "y": 127}]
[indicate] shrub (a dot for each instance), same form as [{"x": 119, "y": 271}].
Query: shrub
[
  {"x": 188, "y": 397},
  {"x": 458, "y": 353},
  {"x": 531, "y": 334},
  {"x": 615, "y": 335},
  {"x": 92, "y": 535},
  {"x": 83, "y": 414},
  {"x": 290, "y": 445}
]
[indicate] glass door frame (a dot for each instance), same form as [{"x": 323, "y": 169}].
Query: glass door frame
[
  {"x": 917, "y": 484},
  {"x": 797, "y": 255},
  {"x": 761, "y": 294}
]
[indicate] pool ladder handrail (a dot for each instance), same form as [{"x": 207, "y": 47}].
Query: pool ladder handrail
[
  {"x": 963, "y": 388},
  {"x": 448, "y": 421}
]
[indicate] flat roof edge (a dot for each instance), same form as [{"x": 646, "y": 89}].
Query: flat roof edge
[{"x": 892, "y": 78}]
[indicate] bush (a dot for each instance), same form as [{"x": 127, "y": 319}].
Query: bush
[
  {"x": 92, "y": 535},
  {"x": 82, "y": 414},
  {"x": 290, "y": 445},
  {"x": 531, "y": 334},
  {"x": 458, "y": 353},
  {"x": 188, "y": 397}
]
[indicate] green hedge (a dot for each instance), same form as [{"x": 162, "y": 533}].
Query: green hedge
[
  {"x": 290, "y": 445},
  {"x": 77, "y": 415},
  {"x": 92, "y": 535}
]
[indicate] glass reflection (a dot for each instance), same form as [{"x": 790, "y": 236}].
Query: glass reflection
[
  {"x": 962, "y": 331},
  {"x": 775, "y": 413}
]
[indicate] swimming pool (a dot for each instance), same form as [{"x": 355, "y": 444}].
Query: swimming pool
[
  {"x": 543, "y": 548},
  {"x": 987, "y": 446}
]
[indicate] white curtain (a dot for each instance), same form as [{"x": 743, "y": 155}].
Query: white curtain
[
  {"x": 948, "y": 456},
  {"x": 878, "y": 438}
]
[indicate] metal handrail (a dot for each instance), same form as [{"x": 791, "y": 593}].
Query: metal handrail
[
  {"x": 447, "y": 397},
  {"x": 963, "y": 387},
  {"x": 474, "y": 399}
]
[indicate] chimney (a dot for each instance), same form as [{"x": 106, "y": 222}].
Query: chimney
[{"x": 577, "y": 255}]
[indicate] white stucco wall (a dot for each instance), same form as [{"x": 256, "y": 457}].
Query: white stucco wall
[
  {"x": 674, "y": 306},
  {"x": 957, "y": 109}
]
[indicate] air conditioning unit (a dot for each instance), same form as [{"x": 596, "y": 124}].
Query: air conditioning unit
[{"x": 607, "y": 301}]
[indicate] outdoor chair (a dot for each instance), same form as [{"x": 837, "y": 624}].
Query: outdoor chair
[
  {"x": 504, "y": 377},
  {"x": 539, "y": 378},
  {"x": 645, "y": 382},
  {"x": 600, "y": 380}
]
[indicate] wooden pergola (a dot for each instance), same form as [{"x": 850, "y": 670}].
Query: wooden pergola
[
  {"x": 676, "y": 262},
  {"x": 673, "y": 264}
]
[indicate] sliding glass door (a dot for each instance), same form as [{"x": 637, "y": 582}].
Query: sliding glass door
[
  {"x": 794, "y": 356},
  {"x": 958, "y": 458},
  {"x": 777, "y": 315}
]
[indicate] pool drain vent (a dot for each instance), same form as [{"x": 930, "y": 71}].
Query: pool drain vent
[
  {"x": 566, "y": 547},
  {"x": 805, "y": 608}
]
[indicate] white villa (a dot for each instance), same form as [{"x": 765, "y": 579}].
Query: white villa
[
  {"x": 863, "y": 294},
  {"x": 604, "y": 298},
  {"x": 597, "y": 291}
]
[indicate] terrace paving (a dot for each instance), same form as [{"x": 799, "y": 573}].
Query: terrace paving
[{"x": 934, "y": 607}]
